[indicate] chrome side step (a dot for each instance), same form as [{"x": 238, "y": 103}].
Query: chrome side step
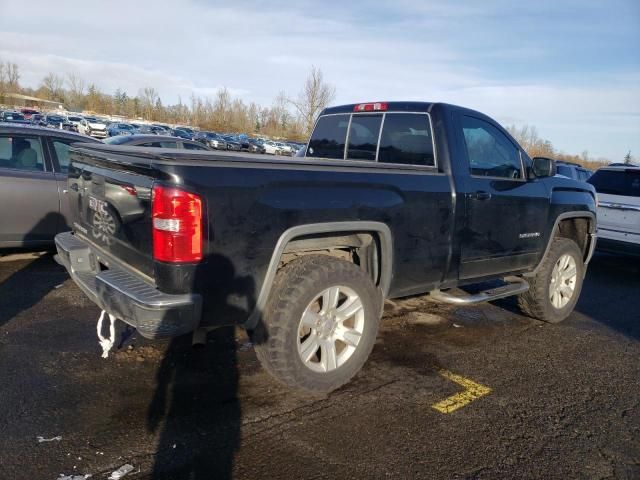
[{"x": 515, "y": 286}]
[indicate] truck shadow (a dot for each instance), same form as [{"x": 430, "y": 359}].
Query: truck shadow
[
  {"x": 610, "y": 293},
  {"x": 195, "y": 406}
]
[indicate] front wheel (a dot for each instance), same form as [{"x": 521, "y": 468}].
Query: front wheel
[
  {"x": 555, "y": 289},
  {"x": 319, "y": 325}
]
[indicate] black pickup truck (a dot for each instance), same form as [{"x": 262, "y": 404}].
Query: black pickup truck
[{"x": 392, "y": 199}]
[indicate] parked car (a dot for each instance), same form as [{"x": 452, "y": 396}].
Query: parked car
[
  {"x": 53, "y": 120},
  {"x": 302, "y": 152},
  {"x": 28, "y": 113},
  {"x": 150, "y": 130},
  {"x": 119, "y": 128},
  {"x": 303, "y": 253},
  {"x": 211, "y": 139},
  {"x": 162, "y": 129},
  {"x": 285, "y": 149},
  {"x": 13, "y": 117},
  {"x": 271, "y": 148},
  {"x": 255, "y": 146},
  {"x": 155, "y": 141},
  {"x": 33, "y": 184},
  {"x": 38, "y": 119},
  {"x": 232, "y": 143},
  {"x": 74, "y": 121},
  {"x": 185, "y": 130},
  {"x": 92, "y": 127},
  {"x": 618, "y": 208},
  {"x": 573, "y": 170},
  {"x": 182, "y": 133}
]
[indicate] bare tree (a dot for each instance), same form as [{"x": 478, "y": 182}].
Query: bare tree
[
  {"x": 12, "y": 77},
  {"x": 52, "y": 85},
  {"x": 76, "y": 86},
  {"x": 628, "y": 159},
  {"x": 148, "y": 98},
  {"x": 314, "y": 96}
]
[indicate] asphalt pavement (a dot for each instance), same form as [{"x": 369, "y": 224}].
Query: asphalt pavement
[{"x": 449, "y": 392}]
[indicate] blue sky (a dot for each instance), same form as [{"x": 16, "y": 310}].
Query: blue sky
[{"x": 569, "y": 68}]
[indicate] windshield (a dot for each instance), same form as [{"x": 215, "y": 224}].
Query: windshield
[
  {"x": 74, "y": 119},
  {"x": 55, "y": 118}
]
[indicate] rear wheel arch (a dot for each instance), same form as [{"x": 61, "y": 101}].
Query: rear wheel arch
[{"x": 309, "y": 239}]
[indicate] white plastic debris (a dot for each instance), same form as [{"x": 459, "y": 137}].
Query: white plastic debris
[
  {"x": 73, "y": 477},
  {"x": 106, "y": 343},
  {"x": 455, "y": 325},
  {"x": 52, "y": 439},
  {"x": 121, "y": 472}
]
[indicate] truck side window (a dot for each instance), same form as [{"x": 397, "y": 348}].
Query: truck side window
[
  {"x": 406, "y": 138},
  {"x": 329, "y": 137},
  {"x": 363, "y": 137},
  {"x": 491, "y": 153}
]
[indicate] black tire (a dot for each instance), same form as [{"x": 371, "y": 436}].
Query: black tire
[
  {"x": 295, "y": 288},
  {"x": 536, "y": 302}
]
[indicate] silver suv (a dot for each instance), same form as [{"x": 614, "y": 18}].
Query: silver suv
[{"x": 618, "y": 190}]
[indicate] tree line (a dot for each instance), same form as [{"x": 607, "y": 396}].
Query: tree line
[
  {"x": 286, "y": 117},
  {"x": 528, "y": 138}
]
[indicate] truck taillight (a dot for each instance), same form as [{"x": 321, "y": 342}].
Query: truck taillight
[{"x": 177, "y": 225}]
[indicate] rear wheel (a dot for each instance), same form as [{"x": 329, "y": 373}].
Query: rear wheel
[
  {"x": 555, "y": 289},
  {"x": 319, "y": 325}
]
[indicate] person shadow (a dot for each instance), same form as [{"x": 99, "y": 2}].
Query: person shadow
[{"x": 195, "y": 406}]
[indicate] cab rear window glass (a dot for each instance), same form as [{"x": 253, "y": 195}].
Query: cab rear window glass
[
  {"x": 363, "y": 137},
  {"x": 406, "y": 138},
  {"x": 617, "y": 182},
  {"x": 328, "y": 138}
]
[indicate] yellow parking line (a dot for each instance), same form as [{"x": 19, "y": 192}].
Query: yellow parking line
[{"x": 472, "y": 392}]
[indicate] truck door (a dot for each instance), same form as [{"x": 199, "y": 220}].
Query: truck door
[
  {"x": 505, "y": 213},
  {"x": 29, "y": 201}
]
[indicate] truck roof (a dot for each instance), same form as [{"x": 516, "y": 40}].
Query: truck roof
[
  {"x": 390, "y": 107},
  {"x": 372, "y": 107}
]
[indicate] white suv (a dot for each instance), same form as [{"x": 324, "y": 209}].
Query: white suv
[{"x": 618, "y": 208}]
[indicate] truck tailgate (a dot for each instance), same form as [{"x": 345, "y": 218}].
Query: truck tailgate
[{"x": 110, "y": 202}]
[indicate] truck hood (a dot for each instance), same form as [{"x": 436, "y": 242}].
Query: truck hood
[{"x": 97, "y": 126}]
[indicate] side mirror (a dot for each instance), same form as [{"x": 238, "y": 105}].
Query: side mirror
[{"x": 543, "y": 167}]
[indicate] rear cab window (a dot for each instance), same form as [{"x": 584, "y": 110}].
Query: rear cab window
[{"x": 389, "y": 137}]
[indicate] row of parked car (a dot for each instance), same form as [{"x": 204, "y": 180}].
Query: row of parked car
[{"x": 102, "y": 127}]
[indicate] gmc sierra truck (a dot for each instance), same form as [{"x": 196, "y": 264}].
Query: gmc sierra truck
[{"x": 392, "y": 199}]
